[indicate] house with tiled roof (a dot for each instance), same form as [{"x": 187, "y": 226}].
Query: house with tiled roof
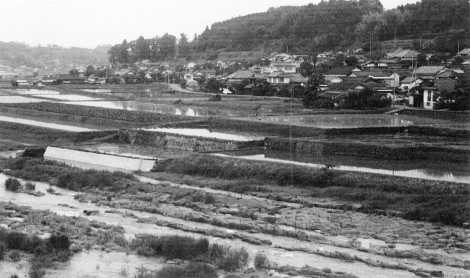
[
  {"x": 279, "y": 78},
  {"x": 465, "y": 52}
]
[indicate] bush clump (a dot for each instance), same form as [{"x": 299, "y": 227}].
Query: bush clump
[
  {"x": 261, "y": 261},
  {"x": 172, "y": 247},
  {"x": 227, "y": 258},
  {"x": 186, "y": 248},
  {"x": 12, "y": 185}
]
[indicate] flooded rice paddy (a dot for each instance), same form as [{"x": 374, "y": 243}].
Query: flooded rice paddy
[
  {"x": 205, "y": 133},
  {"x": 63, "y": 127}
]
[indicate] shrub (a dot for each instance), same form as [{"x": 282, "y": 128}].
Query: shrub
[
  {"x": 2, "y": 250},
  {"x": 12, "y": 185},
  {"x": 16, "y": 240},
  {"x": 228, "y": 259},
  {"x": 15, "y": 256},
  {"x": 192, "y": 270},
  {"x": 261, "y": 261},
  {"x": 172, "y": 247},
  {"x": 30, "y": 186},
  {"x": 59, "y": 242}
]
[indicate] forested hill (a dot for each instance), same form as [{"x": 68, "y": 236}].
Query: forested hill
[
  {"x": 297, "y": 28},
  {"x": 329, "y": 25},
  {"x": 49, "y": 59},
  {"x": 334, "y": 23}
]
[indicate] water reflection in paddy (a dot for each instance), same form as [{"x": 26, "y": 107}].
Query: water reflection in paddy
[
  {"x": 342, "y": 121},
  {"x": 35, "y": 92},
  {"x": 18, "y": 99},
  {"x": 44, "y": 124},
  {"x": 69, "y": 97},
  {"x": 146, "y": 107},
  {"x": 206, "y": 133}
]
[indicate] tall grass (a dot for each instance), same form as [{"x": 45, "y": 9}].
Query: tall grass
[
  {"x": 413, "y": 199},
  {"x": 187, "y": 248},
  {"x": 65, "y": 176}
]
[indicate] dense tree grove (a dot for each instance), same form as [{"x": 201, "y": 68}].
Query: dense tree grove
[
  {"x": 155, "y": 49},
  {"x": 328, "y": 25}
]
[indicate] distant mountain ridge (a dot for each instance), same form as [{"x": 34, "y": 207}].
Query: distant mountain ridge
[{"x": 23, "y": 58}]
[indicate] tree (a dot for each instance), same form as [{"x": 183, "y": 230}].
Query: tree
[
  {"x": 74, "y": 72},
  {"x": 421, "y": 59},
  {"x": 351, "y": 61},
  {"x": 141, "y": 49},
  {"x": 184, "y": 48},
  {"x": 90, "y": 70},
  {"x": 167, "y": 45},
  {"x": 306, "y": 69},
  {"x": 458, "y": 60},
  {"x": 123, "y": 54}
]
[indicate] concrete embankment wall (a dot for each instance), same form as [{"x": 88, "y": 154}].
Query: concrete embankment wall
[
  {"x": 98, "y": 161},
  {"x": 183, "y": 142},
  {"x": 318, "y": 148}
]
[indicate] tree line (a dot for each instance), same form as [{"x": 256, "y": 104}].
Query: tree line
[{"x": 166, "y": 47}]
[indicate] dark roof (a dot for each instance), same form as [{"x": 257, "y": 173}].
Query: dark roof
[
  {"x": 333, "y": 94},
  {"x": 245, "y": 74},
  {"x": 340, "y": 71},
  {"x": 68, "y": 77},
  {"x": 448, "y": 73},
  {"x": 429, "y": 70}
]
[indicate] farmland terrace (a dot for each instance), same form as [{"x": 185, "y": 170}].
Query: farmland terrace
[{"x": 359, "y": 193}]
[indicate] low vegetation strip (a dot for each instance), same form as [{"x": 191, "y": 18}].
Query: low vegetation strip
[
  {"x": 383, "y": 151},
  {"x": 412, "y": 199},
  {"x": 187, "y": 248},
  {"x": 64, "y": 176},
  {"x": 97, "y": 112},
  {"x": 45, "y": 251}
]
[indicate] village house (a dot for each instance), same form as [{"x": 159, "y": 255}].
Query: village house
[
  {"x": 280, "y": 78},
  {"x": 244, "y": 76},
  {"x": 465, "y": 53},
  {"x": 69, "y": 79},
  {"x": 284, "y": 63},
  {"x": 404, "y": 55},
  {"x": 336, "y": 74},
  {"x": 426, "y": 94}
]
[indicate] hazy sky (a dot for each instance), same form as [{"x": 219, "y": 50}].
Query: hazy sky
[{"x": 88, "y": 23}]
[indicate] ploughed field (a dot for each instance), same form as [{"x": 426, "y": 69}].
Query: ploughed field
[{"x": 218, "y": 201}]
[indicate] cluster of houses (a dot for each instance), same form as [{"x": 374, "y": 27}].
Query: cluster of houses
[{"x": 398, "y": 76}]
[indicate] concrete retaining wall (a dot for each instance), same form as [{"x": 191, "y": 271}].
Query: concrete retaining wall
[
  {"x": 97, "y": 161},
  {"x": 183, "y": 142}
]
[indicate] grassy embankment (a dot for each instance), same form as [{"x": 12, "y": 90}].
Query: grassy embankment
[{"x": 413, "y": 199}]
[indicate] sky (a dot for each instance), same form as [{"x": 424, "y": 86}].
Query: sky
[{"x": 89, "y": 23}]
